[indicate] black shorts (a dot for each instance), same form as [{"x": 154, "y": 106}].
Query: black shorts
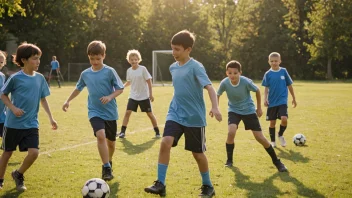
[
  {"x": 110, "y": 127},
  {"x": 251, "y": 121},
  {"x": 144, "y": 105},
  {"x": 54, "y": 72},
  {"x": 1, "y": 129},
  {"x": 194, "y": 136},
  {"x": 24, "y": 138},
  {"x": 276, "y": 112}
]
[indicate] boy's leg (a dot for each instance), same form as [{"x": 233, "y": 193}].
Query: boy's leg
[
  {"x": 58, "y": 79},
  {"x": 230, "y": 144},
  {"x": 49, "y": 78},
  {"x": 272, "y": 132},
  {"x": 283, "y": 114},
  {"x": 110, "y": 133},
  {"x": 125, "y": 121},
  {"x": 4, "y": 160},
  {"x": 154, "y": 123}
]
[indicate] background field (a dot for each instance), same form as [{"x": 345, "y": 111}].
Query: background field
[{"x": 69, "y": 155}]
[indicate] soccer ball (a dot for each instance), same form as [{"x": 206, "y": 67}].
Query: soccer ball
[
  {"x": 95, "y": 188},
  {"x": 299, "y": 139}
]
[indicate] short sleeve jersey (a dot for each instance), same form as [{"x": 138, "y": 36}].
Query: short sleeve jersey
[
  {"x": 277, "y": 82},
  {"x": 239, "y": 97},
  {"x": 99, "y": 84},
  {"x": 137, "y": 78},
  {"x": 187, "y": 106},
  {"x": 2, "y": 105},
  {"x": 55, "y": 64},
  {"x": 26, "y": 92}
]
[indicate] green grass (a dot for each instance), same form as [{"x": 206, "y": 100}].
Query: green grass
[{"x": 320, "y": 169}]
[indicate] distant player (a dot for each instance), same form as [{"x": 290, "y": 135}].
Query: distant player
[
  {"x": 27, "y": 88},
  {"x": 241, "y": 108},
  {"x": 103, "y": 85},
  {"x": 2, "y": 82},
  {"x": 141, "y": 93},
  {"x": 55, "y": 70},
  {"x": 276, "y": 81},
  {"x": 186, "y": 113}
]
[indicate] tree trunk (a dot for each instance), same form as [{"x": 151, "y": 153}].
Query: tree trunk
[{"x": 329, "y": 74}]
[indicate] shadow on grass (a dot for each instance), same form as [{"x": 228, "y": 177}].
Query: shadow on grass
[
  {"x": 12, "y": 193},
  {"x": 292, "y": 156},
  {"x": 132, "y": 149},
  {"x": 268, "y": 189},
  {"x": 114, "y": 188},
  {"x": 13, "y": 163}
]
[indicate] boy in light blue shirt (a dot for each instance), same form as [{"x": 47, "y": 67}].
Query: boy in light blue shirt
[
  {"x": 242, "y": 108},
  {"x": 276, "y": 82},
  {"x": 2, "y": 82},
  {"x": 55, "y": 70},
  {"x": 103, "y": 85},
  {"x": 186, "y": 113}
]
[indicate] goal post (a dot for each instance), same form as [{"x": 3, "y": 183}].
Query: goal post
[{"x": 161, "y": 66}]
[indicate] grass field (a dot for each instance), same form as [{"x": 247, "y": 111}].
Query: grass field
[{"x": 323, "y": 168}]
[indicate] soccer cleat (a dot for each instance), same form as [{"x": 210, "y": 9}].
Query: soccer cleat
[
  {"x": 1, "y": 185},
  {"x": 107, "y": 174},
  {"x": 19, "y": 180},
  {"x": 207, "y": 191},
  {"x": 122, "y": 135},
  {"x": 228, "y": 163},
  {"x": 157, "y": 188},
  {"x": 273, "y": 144},
  {"x": 157, "y": 135},
  {"x": 280, "y": 166},
  {"x": 282, "y": 141}
]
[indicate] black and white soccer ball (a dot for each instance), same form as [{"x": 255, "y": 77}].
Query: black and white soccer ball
[
  {"x": 95, "y": 188},
  {"x": 299, "y": 139}
]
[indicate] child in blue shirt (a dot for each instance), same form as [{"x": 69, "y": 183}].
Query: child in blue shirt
[
  {"x": 55, "y": 70},
  {"x": 241, "y": 108},
  {"x": 2, "y": 82},
  {"x": 27, "y": 88},
  {"x": 276, "y": 81},
  {"x": 103, "y": 85}
]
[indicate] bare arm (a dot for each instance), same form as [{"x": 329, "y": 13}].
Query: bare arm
[
  {"x": 259, "y": 103},
  {"x": 149, "y": 82},
  {"x": 294, "y": 103},
  {"x": 266, "y": 92},
  {"x": 108, "y": 98},
  {"x": 127, "y": 83},
  {"x": 218, "y": 100},
  {"x": 75, "y": 93},
  {"x": 214, "y": 103},
  {"x": 6, "y": 100},
  {"x": 46, "y": 107}
]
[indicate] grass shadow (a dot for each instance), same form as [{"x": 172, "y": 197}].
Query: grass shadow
[
  {"x": 292, "y": 156},
  {"x": 114, "y": 188},
  {"x": 132, "y": 149},
  {"x": 13, "y": 163},
  {"x": 12, "y": 193}
]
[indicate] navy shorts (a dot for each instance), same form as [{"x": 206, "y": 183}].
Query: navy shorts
[
  {"x": 276, "y": 112},
  {"x": 110, "y": 127},
  {"x": 144, "y": 105},
  {"x": 1, "y": 129},
  {"x": 23, "y": 138},
  {"x": 251, "y": 121},
  {"x": 54, "y": 72},
  {"x": 194, "y": 136}
]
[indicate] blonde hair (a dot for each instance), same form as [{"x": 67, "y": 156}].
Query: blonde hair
[
  {"x": 134, "y": 52},
  {"x": 3, "y": 54},
  {"x": 274, "y": 54}
]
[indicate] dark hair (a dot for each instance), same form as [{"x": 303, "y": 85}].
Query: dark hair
[
  {"x": 184, "y": 38},
  {"x": 26, "y": 50},
  {"x": 234, "y": 64},
  {"x": 96, "y": 48}
]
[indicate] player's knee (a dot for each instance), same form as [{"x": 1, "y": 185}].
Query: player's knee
[
  {"x": 284, "y": 119},
  {"x": 166, "y": 142},
  {"x": 33, "y": 153},
  {"x": 128, "y": 113},
  {"x": 198, "y": 156}
]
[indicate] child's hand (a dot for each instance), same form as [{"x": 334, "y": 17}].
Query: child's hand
[
  {"x": 215, "y": 112},
  {"x": 53, "y": 124},
  {"x": 151, "y": 98},
  {"x": 259, "y": 112},
  {"x": 105, "y": 99},
  {"x": 294, "y": 103},
  {"x": 65, "y": 106},
  {"x": 266, "y": 103},
  {"x": 18, "y": 112}
]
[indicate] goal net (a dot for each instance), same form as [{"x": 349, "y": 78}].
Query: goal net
[
  {"x": 74, "y": 70},
  {"x": 162, "y": 59}
]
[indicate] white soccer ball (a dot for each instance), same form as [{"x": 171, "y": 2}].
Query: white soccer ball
[
  {"x": 95, "y": 188},
  {"x": 299, "y": 139}
]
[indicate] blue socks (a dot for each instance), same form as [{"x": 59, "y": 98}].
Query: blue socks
[
  {"x": 107, "y": 165},
  {"x": 162, "y": 168},
  {"x": 206, "y": 178}
]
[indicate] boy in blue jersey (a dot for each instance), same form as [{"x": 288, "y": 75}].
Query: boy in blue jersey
[
  {"x": 27, "y": 89},
  {"x": 186, "y": 113},
  {"x": 2, "y": 82},
  {"x": 55, "y": 70},
  {"x": 276, "y": 81},
  {"x": 241, "y": 107},
  {"x": 103, "y": 85}
]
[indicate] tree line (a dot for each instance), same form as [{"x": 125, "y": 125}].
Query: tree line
[{"x": 313, "y": 36}]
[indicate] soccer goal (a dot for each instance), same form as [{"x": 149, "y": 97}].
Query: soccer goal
[
  {"x": 74, "y": 70},
  {"x": 162, "y": 59}
]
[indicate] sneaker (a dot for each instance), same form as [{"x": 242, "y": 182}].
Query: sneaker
[
  {"x": 280, "y": 166},
  {"x": 273, "y": 144},
  {"x": 157, "y": 188},
  {"x": 282, "y": 141},
  {"x": 1, "y": 185},
  {"x": 107, "y": 174},
  {"x": 157, "y": 135},
  {"x": 228, "y": 163},
  {"x": 122, "y": 135},
  {"x": 19, "y": 180},
  {"x": 207, "y": 191}
]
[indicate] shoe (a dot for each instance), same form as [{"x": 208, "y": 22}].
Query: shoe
[
  {"x": 273, "y": 144},
  {"x": 228, "y": 163},
  {"x": 1, "y": 185},
  {"x": 157, "y": 135},
  {"x": 122, "y": 135},
  {"x": 19, "y": 180},
  {"x": 107, "y": 174},
  {"x": 280, "y": 166},
  {"x": 282, "y": 141},
  {"x": 157, "y": 188},
  {"x": 207, "y": 191}
]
